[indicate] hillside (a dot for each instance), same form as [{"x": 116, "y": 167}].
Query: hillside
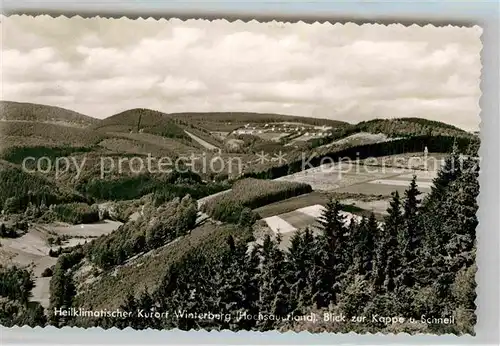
[
  {"x": 406, "y": 127},
  {"x": 32, "y": 133},
  {"x": 131, "y": 120},
  {"x": 143, "y": 123},
  {"x": 33, "y": 112},
  {"x": 18, "y": 189},
  {"x": 146, "y": 270},
  {"x": 229, "y": 121}
]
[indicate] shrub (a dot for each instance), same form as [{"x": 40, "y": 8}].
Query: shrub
[{"x": 47, "y": 272}]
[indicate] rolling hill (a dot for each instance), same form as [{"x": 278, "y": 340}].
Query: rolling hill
[
  {"x": 145, "y": 123},
  {"x": 132, "y": 120},
  {"x": 32, "y": 133},
  {"x": 406, "y": 127},
  {"x": 229, "y": 121},
  {"x": 31, "y": 124},
  {"x": 33, "y": 112}
]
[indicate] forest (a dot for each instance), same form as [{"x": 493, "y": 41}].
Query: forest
[
  {"x": 419, "y": 264},
  {"x": 235, "y": 206}
]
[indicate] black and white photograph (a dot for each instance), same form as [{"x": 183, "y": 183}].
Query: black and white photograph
[{"x": 244, "y": 176}]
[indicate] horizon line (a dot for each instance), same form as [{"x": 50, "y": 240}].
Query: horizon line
[{"x": 477, "y": 129}]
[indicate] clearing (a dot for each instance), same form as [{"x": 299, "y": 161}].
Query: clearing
[{"x": 32, "y": 249}]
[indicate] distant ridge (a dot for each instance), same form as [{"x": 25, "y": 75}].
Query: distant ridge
[
  {"x": 130, "y": 116},
  {"x": 34, "y": 112},
  {"x": 404, "y": 127},
  {"x": 241, "y": 118}
]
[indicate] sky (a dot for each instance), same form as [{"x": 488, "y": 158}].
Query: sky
[{"x": 348, "y": 72}]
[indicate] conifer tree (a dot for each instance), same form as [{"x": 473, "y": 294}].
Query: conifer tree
[
  {"x": 330, "y": 251},
  {"x": 301, "y": 268},
  {"x": 412, "y": 235},
  {"x": 364, "y": 250},
  {"x": 130, "y": 306},
  {"x": 62, "y": 291},
  {"x": 388, "y": 256},
  {"x": 273, "y": 298},
  {"x": 448, "y": 173},
  {"x": 461, "y": 226}
]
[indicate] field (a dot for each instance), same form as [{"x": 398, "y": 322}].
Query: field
[
  {"x": 360, "y": 188},
  {"x": 359, "y": 139},
  {"x": 202, "y": 141},
  {"x": 32, "y": 249},
  {"x": 287, "y": 224},
  {"x": 361, "y": 178}
]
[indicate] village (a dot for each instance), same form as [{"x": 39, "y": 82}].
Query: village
[{"x": 275, "y": 131}]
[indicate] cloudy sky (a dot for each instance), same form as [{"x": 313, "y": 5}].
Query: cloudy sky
[{"x": 349, "y": 72}]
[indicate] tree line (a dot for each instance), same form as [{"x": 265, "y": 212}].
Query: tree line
[
  {"x": 236, "y": 205},
  {"x": 175, "y": 184},
  {"x": 419, "y": 262},
  {"x": 19, "y": 189},
  {"x": 438, "y": 144}
]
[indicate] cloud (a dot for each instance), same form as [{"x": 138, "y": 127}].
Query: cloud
[{"x": 348, "y": 72}]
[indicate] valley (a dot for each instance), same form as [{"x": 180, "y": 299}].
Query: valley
[{"x": 100, "y": 237}]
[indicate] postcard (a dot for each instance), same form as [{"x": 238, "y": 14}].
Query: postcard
[{"x": 243, "y": 176}]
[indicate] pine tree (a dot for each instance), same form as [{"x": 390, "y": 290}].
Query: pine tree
[
  {"x": 249, "y": 286},
  {"x": 364, "y": 250},
  {"x": 330, "y": 254},
  {"x": 301, "y": 268},
  {"x": 62, "y": 291},
  {"x": 247, "y": 217},
  {"x": 412, "y": 236},
  {"x": 274, "y": 291},
  {"x": 461, "y": 226},
  {"x": 130, "y": 306},
  {"x": 448, "y": 173},
  {"x": 331, "y": 222},
  {"x": 388, "y": 256}
]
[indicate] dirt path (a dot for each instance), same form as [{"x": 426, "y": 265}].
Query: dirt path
[{"x": 202, "y": 142}]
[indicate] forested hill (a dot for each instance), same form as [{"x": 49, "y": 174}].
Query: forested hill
[
  {"x": 408, "y": 127},
  {"x": 251, "y": 117},
  {"x": 33, "y": 112},
  {"x": 131, "y": 119}
]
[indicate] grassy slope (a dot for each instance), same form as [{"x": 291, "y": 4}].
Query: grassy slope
[
  {"x": 128, "y": 120},
  {"x": 155, "y": 127},
  {"x": 22, "y": 133},
  {"x": 22, "y": 111},
  {"x": 29, "y": 124}
]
